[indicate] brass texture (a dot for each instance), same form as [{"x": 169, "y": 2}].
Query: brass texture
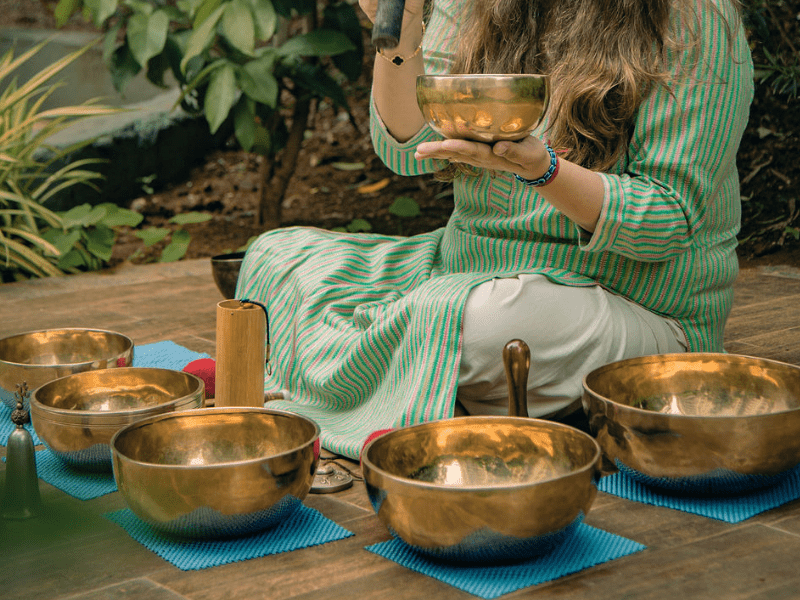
[
  {"x": 700, "y": 423},
  {"x": 215, "y": 472},
  {"x": 225, "y": 269},
  {"x": 77, "y": 415},
  {"x": 482, "y": 489},
  {"x": 484, "y": 108},
  {"x": 37, "y": 357}
]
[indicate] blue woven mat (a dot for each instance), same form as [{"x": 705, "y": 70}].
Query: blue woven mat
[
  {"x": 306, "y": 527},
  {"x": 731, "y": 509},
  {"x": 78, "y": 484},
  {"x": 587, "y": 547}
]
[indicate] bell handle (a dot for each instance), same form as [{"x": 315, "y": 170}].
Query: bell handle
[
  {"x": 517, "y": 362},
  {"x": 388, "y": 24}
]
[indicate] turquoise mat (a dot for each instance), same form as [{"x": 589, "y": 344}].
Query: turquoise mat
[
  {"x": 731, "y": 509},
  {"x": 585, "y": 548},
  {"x": 305, "y": 527}
]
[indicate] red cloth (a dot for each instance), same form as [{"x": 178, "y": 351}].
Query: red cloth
[{"x": 205, "y": 369}]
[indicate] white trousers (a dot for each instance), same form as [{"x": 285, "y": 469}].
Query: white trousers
[{"x": 570, "y": 331}]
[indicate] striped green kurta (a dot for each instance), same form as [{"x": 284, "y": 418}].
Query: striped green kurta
[{"x": 366, "y": 329}]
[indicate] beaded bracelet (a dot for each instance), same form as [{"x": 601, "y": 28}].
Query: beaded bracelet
[
  {"x": 551, "y": 173},
  {"x": 398, "y": 60}
]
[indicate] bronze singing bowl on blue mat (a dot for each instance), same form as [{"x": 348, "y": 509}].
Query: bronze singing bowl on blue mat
[
  {"x": 484, "y": 108},
  {"x": 37, "y": 357},
  {"x": 216, "y": 472},
  {"x": 482, "y": 489},
  {"x": 76, "y": 416},
  {"x": 697, "y": 423}
]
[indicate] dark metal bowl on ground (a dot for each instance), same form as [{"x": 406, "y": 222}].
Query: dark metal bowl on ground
[
  {"x": 482, "y": 489},
  {"x": 216, "y": 472},
  {"x": 484, "y": 108},
  {"x": 76, "y": 416},
  {"x": 697, "y": 423},
  {"x": 225, "y": 269},
  {"x": 36, "y": 357}
]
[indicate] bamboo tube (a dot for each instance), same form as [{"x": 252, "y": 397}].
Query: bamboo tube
[{"x": 241, "y": 354}]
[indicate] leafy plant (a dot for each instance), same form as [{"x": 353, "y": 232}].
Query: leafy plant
[
  {"x": 404, "y": 207},
  {"x": 35, "y": 241},
  {"x": 178, "y": 240},
  {"x": 777, "y": 62},
  {"x": 257, "y": 64}
]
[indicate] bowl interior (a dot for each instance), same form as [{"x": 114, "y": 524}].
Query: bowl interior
[
  {"x": 211, "y": 437},
  {"x": 225, "y": 270},
  {"x": 117, "y": 390},
  {"x": 485, "y": 108},
  {"x": 699, "y": 385},
  {"x": 483, "y": 452},
  {"x": 62, "y": 347}
]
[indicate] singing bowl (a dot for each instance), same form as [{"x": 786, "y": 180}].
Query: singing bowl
[
  {"x": 482, "y": 489},
  {"x": 216, "y": 472},
  {"x": 697, "y": 423},
  {"x": 36, "y": 357},
  {"x": 225, "y": 269},
  {"x": 484, "y": 108},
  {"x": 76, "y": 416}
]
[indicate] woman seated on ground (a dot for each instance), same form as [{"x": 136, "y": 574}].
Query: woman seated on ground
[{"x": 627, "y": 249}]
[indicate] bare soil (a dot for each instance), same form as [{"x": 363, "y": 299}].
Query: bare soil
[{"x": 339, "y": 178}]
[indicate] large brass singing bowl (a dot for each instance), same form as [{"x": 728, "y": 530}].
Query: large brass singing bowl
[
  {"x": 216, "y": 472},
  {"x": 36, "y": 357},
  {"x": 76, "y": 416},
  {"x": 484, "y": 108},
  {"x": 697, "y": 423},
  {"x": 482, "y": 489}
]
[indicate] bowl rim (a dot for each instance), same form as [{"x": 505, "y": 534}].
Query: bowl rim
[
  {"x": 687, "y": 355},
  {"x": 47, "y": 411},
  {"x": 71, "y": 329},
  {"x": 117, "y": 455},
  {"x": 229, "y": 256},
  {"x": 590, "y": 465},
  {"x": 444, "y": 76}
]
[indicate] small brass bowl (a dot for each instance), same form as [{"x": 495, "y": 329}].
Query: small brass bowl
[
  {"x": 697, "y": 423},
  {"x": 76, "y": 416},
  {"x": 216, "y": 472},
  {"x": 484, "y": 108},
  {"x": 225, "y": 269},
  {"x": 482, "y": 489},
  {"x": 37, "y": 357}
]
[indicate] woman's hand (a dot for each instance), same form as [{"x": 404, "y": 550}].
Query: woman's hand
[{"x": 527, "y": 158}]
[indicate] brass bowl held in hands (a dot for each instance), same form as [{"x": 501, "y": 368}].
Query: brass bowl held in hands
[
  {"x": 76, "y": 416},
  {"x": 216, "y": 472},
  {"x": 225, "y": 269},
  {"x": 482, "y": 489},
  {"x": 36, "y": 357},
  {"x": 697, "y": 423},
  {"x": 484, "y": 108}
]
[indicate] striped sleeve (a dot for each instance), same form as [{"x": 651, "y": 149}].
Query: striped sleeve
[{"x": 682, "y": 157}]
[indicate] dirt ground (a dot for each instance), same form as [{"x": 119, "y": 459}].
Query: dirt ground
[{"x": 339, "y": 178}]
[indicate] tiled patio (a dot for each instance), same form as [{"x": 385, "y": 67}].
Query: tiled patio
[{"x": 71, "y": 551}]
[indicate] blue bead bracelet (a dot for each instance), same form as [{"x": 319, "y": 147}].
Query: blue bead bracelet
[{"x": 547, "y": 176}]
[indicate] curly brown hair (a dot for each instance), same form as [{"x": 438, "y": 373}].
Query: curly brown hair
[{"x": 602, "y": 57}]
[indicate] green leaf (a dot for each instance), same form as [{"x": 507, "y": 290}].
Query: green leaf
[
  {"x": 189, "y": 6},
  {"x": 266, "y": 19},
  {"x": 152, "y": 235},
  {"x": 110, "y": 42},
  {"x": 177, "y": 248},
  {"x": 201, "y": 37},
  {"x": 317, "y": 81},
  {"x": 123, "y": 67},
  {"x": 191, "y": 217},
  {"x": 71, "y": 260},
  {"x": 238, "y": 26},
  {"x": 117, "y": 216},
  {"x": 342, "y": 16},
  {"x": 83, "y": 215},
  {"x": 320, "y": 42},
  {"x": 359, "y": 225},
  {"x": 147, "y": 35},
  {"x": 244, "y": 123},
  {"x": 139, "y": 6},
  {"x": 406, "y": 207},
  {"x": 64, "y": 10},
  {"x": 301, "y": 7},
  {"x": 220, "y": 96},
  {"x": 100, "y": 242},
  {"x": 256, "y": 80},
  {"x": 63, "y": 241},
  {"x": 204, "y": 11},
  {"x": 100, "y": 10}
]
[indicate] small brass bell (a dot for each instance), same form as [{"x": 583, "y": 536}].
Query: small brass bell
[{"x": 21, "y": 499}]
